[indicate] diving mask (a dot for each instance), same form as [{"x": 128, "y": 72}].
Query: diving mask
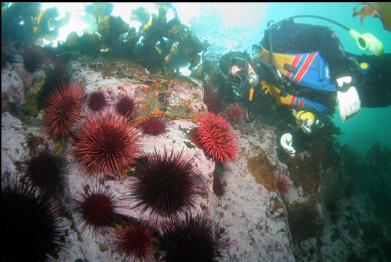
[
  {"x": 368, "y": 41},
  {"x": 305, "y": 120},
  {"x": 306, "y": 126},
  {"x": 238, "y": 67}
]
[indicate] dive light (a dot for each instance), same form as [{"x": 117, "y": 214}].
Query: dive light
[{"x": 368, "y": 41}]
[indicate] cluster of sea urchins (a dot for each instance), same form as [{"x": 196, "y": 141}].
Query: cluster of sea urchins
[
  {"x": 29, "y": 224},
  {"x": 106, "y": 144},
  {"x": 62, "y": 110},
  {"x": 216, "y": 138},
  {"x": 166, "y": 183},
  {"x": 192, "y": 238}
]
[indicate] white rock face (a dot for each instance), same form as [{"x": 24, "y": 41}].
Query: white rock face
[
  {"x": 242, "y": 209},
  {"x": 13, "y": 142},
  {"x": 12, "y": 86}
]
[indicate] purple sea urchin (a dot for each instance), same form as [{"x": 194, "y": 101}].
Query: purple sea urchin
[
  {"x": 192, "y": 239},
  {"x": 125, "y": 106},
  {"x": 166, "y": 183},
  {"x": 47, "y": 171},
  {"x": 97, "y": 101},
  {"x": 137, "y": 240},
  {"x": 97, "y": 208},
  {"x": 29, "y": 225}
]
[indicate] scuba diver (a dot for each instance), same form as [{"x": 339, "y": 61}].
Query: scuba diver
[{"x": 305, "y": 68}]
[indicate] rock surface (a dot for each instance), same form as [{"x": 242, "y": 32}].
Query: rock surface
[{"x": 240, "y": 212}]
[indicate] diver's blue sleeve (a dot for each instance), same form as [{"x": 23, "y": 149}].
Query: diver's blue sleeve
[{"x": 313, "y": 105}]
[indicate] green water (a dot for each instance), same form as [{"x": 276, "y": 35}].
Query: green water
[{"x": 369, "y": 126}]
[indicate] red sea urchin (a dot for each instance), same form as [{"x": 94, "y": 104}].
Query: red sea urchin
[
  {"x": 29, "y": 224},
  {"x": 166, "y": 183},
  {"x": 193, "y": 239},
  {"x": 154, "y": 126},
  {"x": 106, "y": 144},
  {"x": 137, "y": 240},
  {"x": 125, "y": 106},
  {"x": 97, "y": 208},
  {"x": 236, "y": 112},
  {"x": 97, "y": 101},
  {"x": 62, "y": 110},
  {"x": 47, "y": 171},
  {"x": 216, "y": 137}
]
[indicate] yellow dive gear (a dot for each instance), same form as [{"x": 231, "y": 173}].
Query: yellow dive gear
[
  {"x": 304, "y": 119},
  {"x": 251, "y": 94},
  {"x": 364, "y": 66},
  {"x": 368, "y": 41},
  {"x": 276, "y": 93}
]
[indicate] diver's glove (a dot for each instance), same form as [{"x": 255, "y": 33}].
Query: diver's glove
[
  {"x": 286, "y": 144},
  {"x": 347, "y": 99}
]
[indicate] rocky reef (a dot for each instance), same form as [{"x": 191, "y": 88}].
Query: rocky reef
[{"x": 180, "y": 103}]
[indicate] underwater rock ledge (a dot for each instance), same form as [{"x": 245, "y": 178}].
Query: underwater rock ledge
[{"x": 242, "y": 212}]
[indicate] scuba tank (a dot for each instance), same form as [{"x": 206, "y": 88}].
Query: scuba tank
[{"x": 365, "y": 41}]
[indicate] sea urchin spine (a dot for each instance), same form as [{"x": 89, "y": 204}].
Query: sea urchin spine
[
  {"x": 97, "y": 208},
  {"x": 166, "y": 183},
  {"x": 192, "y": 239},
  {"x": 97, "y": 101},
  {"x": 106, "y": 144},
  {"x": 216, "y": 137},
  {"x": 137, "y": 240},
  {"x": 62, "y": 110},
  {"x": 29, "y": 224},
  {"x": 153, "y": 126},
  {"x": 47, "y": 171},
  {"x": 125, "y": 106}
]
